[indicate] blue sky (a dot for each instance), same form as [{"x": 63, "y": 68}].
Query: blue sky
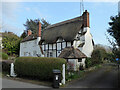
[{"x": 15, "y": 14}]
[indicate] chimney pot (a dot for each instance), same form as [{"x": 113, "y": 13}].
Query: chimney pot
[{"x": 29, "y": 32}]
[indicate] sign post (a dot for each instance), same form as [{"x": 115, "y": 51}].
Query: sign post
[{"x": 117, "y": 59}]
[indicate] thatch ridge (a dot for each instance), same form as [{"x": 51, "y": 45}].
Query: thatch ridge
[{"x": 66, "y": 30}]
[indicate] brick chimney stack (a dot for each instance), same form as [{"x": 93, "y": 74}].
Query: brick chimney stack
[
  {"x": 86, "y": 19},
  {"x": 29, "y": 32},
  {"x": 39, "y": 29}
]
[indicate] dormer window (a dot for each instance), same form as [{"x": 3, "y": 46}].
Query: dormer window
[{"x": 60, "y": 39}]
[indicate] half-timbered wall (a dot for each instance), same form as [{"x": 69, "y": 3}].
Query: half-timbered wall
[{"x": 54, "y": 50}]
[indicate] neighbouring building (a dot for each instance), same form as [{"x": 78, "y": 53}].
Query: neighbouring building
[
  {"x": 29, "y": 46},
  {"x": 70, "y": 39}
]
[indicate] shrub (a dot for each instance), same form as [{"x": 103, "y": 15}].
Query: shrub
[
  {"x": 11, "y": 43},
  {"x": 110, "y": 57},
  {"x": 37, "y": 67},
  {"x": 6, "y": 65},
  {"x": 88, "y": 62},
  {"x": 73, "y": 75},
  {"x": 98, "y": 56},
  {"x": 4, "y": 56}
]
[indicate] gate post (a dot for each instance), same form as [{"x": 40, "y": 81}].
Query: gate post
[{"x": 63, "y": 74}]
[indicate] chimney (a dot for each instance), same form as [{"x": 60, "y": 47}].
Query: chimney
[
  {"x": 29, "y": 32},
  {"x": 39, "y": 29},
  {"x": 86, "y": 19}
]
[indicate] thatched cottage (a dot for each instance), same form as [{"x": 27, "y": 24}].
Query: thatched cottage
[{"x": 70, "y": 39}]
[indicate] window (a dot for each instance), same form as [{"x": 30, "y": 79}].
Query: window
[
  {"x": 51, "y": 54},
  {"x": 58, "y": 51},
  {"x": 34, "y": 53},
  {"x": 29, "y": 54},
  {"x": 80, "y": 60},
  {"x": 47, "y": 54}
]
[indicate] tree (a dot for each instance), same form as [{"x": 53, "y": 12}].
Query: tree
[
  {"x": 114, "y": 29},
  {"x": 11, "y": 43},
  {"x": 33, "y": 25},
  {"x": 44, "y": 24},
  {"x": 98, "y": 55},
  {"x": 23, "y": 35}
]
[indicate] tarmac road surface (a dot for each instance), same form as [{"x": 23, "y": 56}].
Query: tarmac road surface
[
  {"x": 105, "y": 77},
  {"x": 7, "y": 83}
]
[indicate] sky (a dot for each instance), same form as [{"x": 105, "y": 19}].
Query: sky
[{"x": 15, "y": 13}]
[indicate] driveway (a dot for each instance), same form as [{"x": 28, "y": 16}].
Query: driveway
[
  {"x": 6, "y": 83},
  {"x": 105, "y": 77}
]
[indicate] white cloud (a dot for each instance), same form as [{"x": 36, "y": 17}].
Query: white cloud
[{"x": 27, "y": 8}]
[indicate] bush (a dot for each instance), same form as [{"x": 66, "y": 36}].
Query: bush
[
  {"x": 88, "y": 62},
  {"x": 73, "y": 75},
  {"x": 37, "y": 67},
  {"x": 4, "y": 56},
  {"x": 110, "y": 57},
  {"x": 6, "y": 65},
  {"x": 98, "y": 56}
]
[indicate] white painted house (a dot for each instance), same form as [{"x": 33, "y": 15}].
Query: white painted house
[
  {"x": 29, "y": 46},
  {"x": 70, "y": 39}
]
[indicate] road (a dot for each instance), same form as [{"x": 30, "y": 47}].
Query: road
[
  {"x": 6, "y": 83},
  {"x": 105, "y": 77}
]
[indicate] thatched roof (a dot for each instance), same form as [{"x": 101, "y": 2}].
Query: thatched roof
[
  {"x": 71, "y": 53},
  {"x": 66, "y": 30},
  {"x": 30, "y": 37}
]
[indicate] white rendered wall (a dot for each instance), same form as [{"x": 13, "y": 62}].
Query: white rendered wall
[
  {"x": 29, "y": 48},
  {"x": 74, "y": 63},
  {"x": 81, "y": 63},
  {"x": 88, "y": 46}
]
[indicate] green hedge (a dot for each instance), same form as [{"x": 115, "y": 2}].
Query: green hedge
[
  {"x": 4, "y": 56},
  {"x": 37, "y": 67},
  {"x": 88, "y": 62}
]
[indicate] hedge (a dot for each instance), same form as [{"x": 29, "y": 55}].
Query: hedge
[
  {"x": 88, "y": 62},
  {"x": 4, "y": 56},
  {"x": 38, "y": 67}
]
